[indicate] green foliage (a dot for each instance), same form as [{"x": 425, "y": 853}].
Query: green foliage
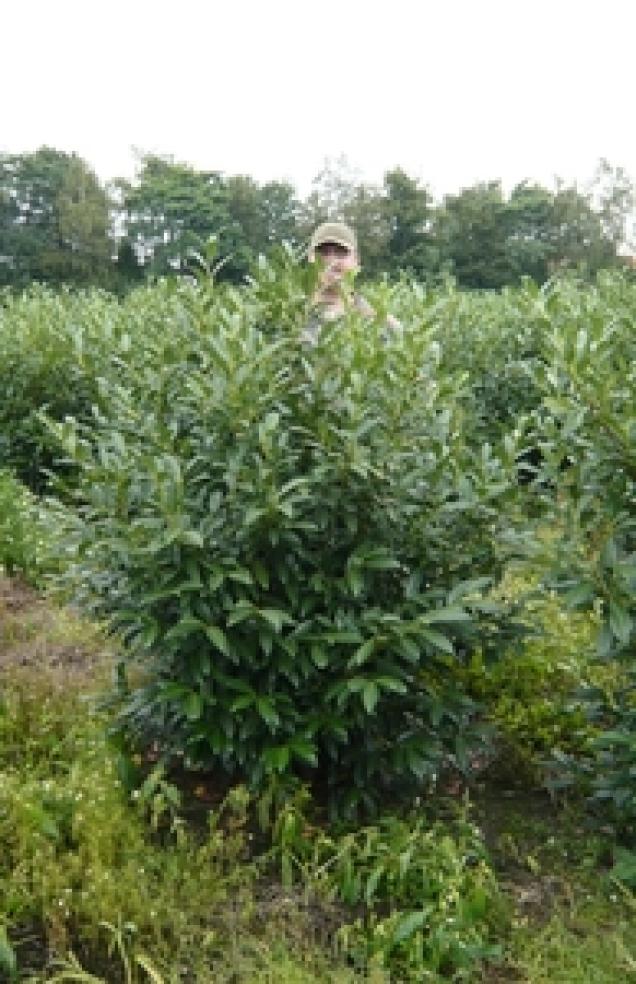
[
  {"x": 302, "y": 548},
  {"x": 425, "y": 893},
  {"x": 58, "y": 225},
  {"x": 28, "y": 527},
  {"x": 408, "y": 209},
  {"x": 55, "y": 220},
  {"x": 492, "y": 341},
  {"x": 590, "y": 423},
  {"x": 18, "y": 539},
  {"x": 289, "y": 538},
  {"x": 85, "y": 868},
  {"x": 171, "y": 211},
  {"x": 588, "y": 939},
  {"x": 604, "y": 770},
  {"x": 126, "y": 881},
  {"x": 489, "y": 241},
  {"x": 57, "y": 351},
  {"x": 529, "y": 692},
  {"x": 52, "y": 349},
  {"x": 471, "y": 230}
]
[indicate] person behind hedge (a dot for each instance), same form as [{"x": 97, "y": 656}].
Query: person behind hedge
[{"x": 336, "y": 246}]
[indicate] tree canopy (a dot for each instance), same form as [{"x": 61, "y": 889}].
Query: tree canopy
[
  {"x": 58, "y": 224},
  {"x": 54, "y": 220}
]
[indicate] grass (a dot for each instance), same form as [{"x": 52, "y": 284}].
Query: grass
[
  {"x": 125, "y": 891},
  {"x": 571, "y": 923},
  {"x": 590, "y": 940}
]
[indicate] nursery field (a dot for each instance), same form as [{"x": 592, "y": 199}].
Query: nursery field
[{"x": 317, "y": 661}]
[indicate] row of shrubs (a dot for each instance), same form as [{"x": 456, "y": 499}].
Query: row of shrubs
[
  {"x": 333, "y": 517},
  {"x": 58, "y": 350}
]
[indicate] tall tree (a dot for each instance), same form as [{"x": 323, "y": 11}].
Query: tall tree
[
  {"x": 170, "y": 211},
  {"x": 408, "y": 209},
  {"x": 613, "y": 194},
  {"x": 366, "y": 213},
  {"x": 332, "y": 193},
  {"x": 471, "y": 230},
  {"x": 261, "y": 216},
  {"x": 282, "y": 211},
  {"x": 54, "y": 220},
  {"x": 530, "y": 232},
  {"x": 579, "y": 237}
]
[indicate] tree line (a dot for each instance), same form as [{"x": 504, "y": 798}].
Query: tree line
[{"x": 60, "y": 225}]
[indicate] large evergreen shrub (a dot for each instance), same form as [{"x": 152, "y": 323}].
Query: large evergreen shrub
[{"x": 291, "y": 539}]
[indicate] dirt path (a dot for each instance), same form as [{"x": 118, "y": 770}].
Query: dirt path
[{"x": 35, "y": 633}]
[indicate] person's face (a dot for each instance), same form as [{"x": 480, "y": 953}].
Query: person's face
[{"x": 337, "y": 261}]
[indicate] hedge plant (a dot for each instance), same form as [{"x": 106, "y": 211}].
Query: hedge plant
[{"x": 292, "y": 541}]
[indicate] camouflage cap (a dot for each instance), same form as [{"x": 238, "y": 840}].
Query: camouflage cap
[{"x": 334, "y": 232}]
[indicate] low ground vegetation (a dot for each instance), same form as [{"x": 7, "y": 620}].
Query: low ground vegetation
[{"x": 128, "y": 876}]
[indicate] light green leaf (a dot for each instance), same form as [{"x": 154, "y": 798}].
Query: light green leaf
[
  {"x": 408, "y": 925},
  {"x": 275, "y": 617},
  {"x": 192, "y": 538},
  {"x": 218, "y": 638},
  {"x": 370, "y": 694},
  {"x": 449, "y": 614},
  {"x": 8, "y": 959},
  {"x": 240, "y": 703},
  {"x": 266, "y": 710},
  {"x": 193, "y": 706},
  {"x": 362, "y": 653},
  {"x": 240, "y": 575},
  {"x": 305, "y": 750},
  {"x": 438, "y": 640},
  {"x": 620, "y": 622},
  {"x": 319, "y": 657}
]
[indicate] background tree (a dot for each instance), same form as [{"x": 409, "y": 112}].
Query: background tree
[
  {"x": 614, "y": 195},
  {"x": 489, "y": 241},
  {"x": 530, "y": 238},
  {"x": 261, "y": 216},
  {"x": 55, "y": 220},
  {"x": 391, "y": 221},
  {"x": 333, "y": 191},
  {"x": 282, "y": 210},
  {"x": 170, "y": 211},
  {"x": 579, "y": 237},
  {"x": 408, "y": 210},
  {"x": 59, "y": 225},
  {"x": 470, "y": 231},
  {"x": 366, "y": 212}
]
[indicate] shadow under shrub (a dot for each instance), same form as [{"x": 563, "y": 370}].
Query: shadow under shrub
[{"x": 288, "y": 539}]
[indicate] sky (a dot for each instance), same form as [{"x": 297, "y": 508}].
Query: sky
[{"x": 452, "y": 91}]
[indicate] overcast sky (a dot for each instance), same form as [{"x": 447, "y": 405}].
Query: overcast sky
[{"x": 453, "y": 91}]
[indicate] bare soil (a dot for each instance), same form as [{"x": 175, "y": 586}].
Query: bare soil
[{"x": 38, "y": 635}]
